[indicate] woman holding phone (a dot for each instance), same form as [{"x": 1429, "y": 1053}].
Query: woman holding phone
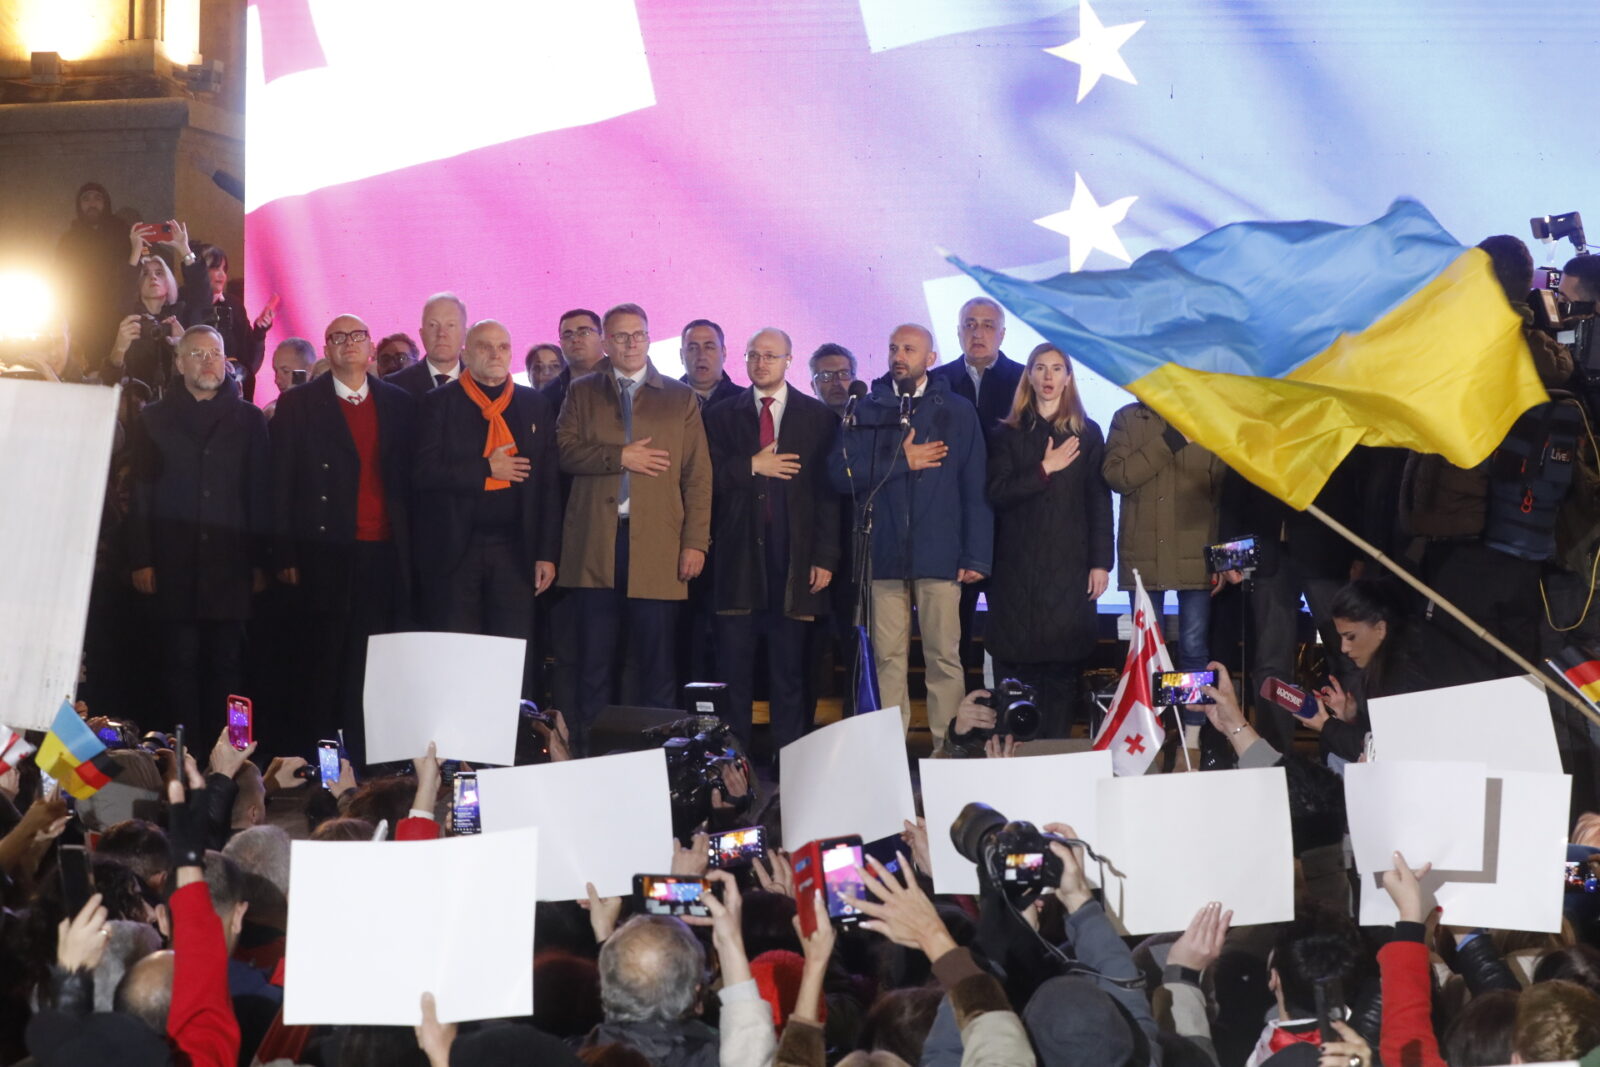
[
  {"x": 1053, "y": 540},
  {"x": 1374, "y": 630}
]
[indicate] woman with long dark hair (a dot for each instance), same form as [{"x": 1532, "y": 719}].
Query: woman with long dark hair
[
  {"x": 1053, "y": 541},
  {"x": 1374, "y": 627}
]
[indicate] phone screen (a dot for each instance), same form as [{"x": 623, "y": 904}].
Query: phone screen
[
  {"x": 328, "y": 762},
  {"x": 1240, "y": 555},
  {"x": 842, "y": 882},
  {"x": 240, "y": 728},
  {"x": 464, "y": 809},
  {"x": 736, "y": 848},
  {"x": 110, "y": 736},
  {"x": 665, "y": 894},
  {"x": 77, "y": 884},
  {"x": 1182, "y": 687},
  {"x": 1581, "y": 877}
]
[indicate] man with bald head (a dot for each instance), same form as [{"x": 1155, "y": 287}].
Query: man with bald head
[
  {"x": 341, "y": 476},
  {"x": 932, "y": 530},
  {"x": 443, "y": 330},
  {"x": 776, "y": 527},
  {"x": 196, "y": 531},
  {"x": 488, "y": 503}
]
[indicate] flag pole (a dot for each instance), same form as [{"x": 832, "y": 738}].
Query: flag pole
[{"x": 1456, "y": 613}]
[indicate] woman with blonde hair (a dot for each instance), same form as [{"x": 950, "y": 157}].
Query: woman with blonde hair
[
  {"x": 1053, "y": 541},
  {"x": 160, "y": 311}
]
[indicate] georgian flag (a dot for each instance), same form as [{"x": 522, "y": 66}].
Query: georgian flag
[{"x": 1131, "y": 730}]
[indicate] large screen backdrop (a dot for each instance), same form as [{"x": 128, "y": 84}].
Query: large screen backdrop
[{"x": 801, "y": 163}]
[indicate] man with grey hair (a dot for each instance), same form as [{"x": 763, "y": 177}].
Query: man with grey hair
[
  {"x": 983, "y": 375},
  {"x": 652, "y": 977},
  {"x": 262, "y": 851},
  {"x": 444, "y": 335},
  {"x": 201, "y": 486}
]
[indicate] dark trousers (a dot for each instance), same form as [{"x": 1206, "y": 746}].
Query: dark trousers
[
  {"x": 1275, "y": 613},
  {"x": 1057, "y": 684},
  {"x": 336, "y": 649},
  {"x": 1497, "y": 591},
  {"x": 491, "y": 593},
  {"x": 557, "y": 631},
  {"x": 601, "y": 616},
  {"x": 971, "y": 653},
  {"x": 785, "y": 638},
  {"x": 203, "y": 661}
]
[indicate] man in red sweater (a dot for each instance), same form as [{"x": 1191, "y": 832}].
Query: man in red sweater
[{"x": 341, "y": 486}]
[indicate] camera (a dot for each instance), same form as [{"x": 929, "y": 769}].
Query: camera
[
  {"x": 697, "y": 751},
  {"x": 1012, "y": 857},
  {"x": 1016, "y": 708},
  {"x": 150, "y": 328},
  {"x": 118, "y": 733}
]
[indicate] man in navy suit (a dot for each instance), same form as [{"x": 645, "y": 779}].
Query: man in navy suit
[
  {"x": 488, "y": 501},
  {"x": 341, "y": 465},
  {"x": 444, "y": 324}
]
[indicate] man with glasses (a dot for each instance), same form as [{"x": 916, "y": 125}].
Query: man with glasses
[
  {"x": 341, "y": 478},
  {"x": 579, "y": 333},
  {"x": 444, "y": 325},
  {"x": 201, "y": 491},
  {"x": 777, "y": 533},
  {"x": 833, "y": 371},
  {"x": 638, "y": 521}
]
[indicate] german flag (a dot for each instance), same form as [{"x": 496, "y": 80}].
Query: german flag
[
  {"x": 74, "y": 756},
  {"x": 1581, "y": 669}
]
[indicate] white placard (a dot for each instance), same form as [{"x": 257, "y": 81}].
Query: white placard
[
  {"x": 462, "y": 691},
  {"x": 452, "y": 917},
  {"x": 1174, "y": 842},
  {"x": 55, "y": 446},
  {"x": 1419, "y": 808},
  {"x": 601, "y": 820},
  {"x": 1521, "y": 885},
  {"x": 850, "y": 777},
  {"x": 1504, "y": 724},
  {"x": 1039, "y": 789}
]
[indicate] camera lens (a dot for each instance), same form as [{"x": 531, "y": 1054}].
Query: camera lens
[
  {"x": 1022, "y": 720},
  {"x": 976, "y": 822}
]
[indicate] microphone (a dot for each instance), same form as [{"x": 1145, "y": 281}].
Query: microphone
[
  {"x": 858, "y": 389},
  {"x": 1288, "y": 697},
  {"x": 905, "y": 389}
]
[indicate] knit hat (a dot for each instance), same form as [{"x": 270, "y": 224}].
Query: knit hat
[
  {"x": 777, "y": 973},
  {"x": 1073, "y": 1022}
]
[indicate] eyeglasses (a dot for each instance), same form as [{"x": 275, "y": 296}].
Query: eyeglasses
[
  {"x": 339, "y": 337},
  {"x": 580, "y": 331},
  {"x": 826, "y": 376},
  {"x": 637, "y": 337},
  {"x": 765, "y": 357}
]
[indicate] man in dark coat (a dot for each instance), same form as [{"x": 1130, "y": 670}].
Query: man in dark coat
[
  {"x": 775, "y": 522},
  {"x": 341, "y": 463},
  {"x": 197, "y": 532},
  {"x": 92, "y": 258},
  {"x": 444, "y": 324},
  {"x": 920, "y": 448},
  {"x": 488, "y": 520},
  {"x": 703, "y": 351}
]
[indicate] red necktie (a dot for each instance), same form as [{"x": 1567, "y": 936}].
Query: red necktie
[{"x": 769, "y": 434}]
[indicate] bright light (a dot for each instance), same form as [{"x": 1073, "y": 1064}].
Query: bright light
[
  {"x": 27, "y": 306},
  {"x": 74, "y": 28}
]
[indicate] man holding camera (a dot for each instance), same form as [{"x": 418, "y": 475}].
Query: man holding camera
[
  {"x": 776, "y": 528},
  {"x": 918, "y": 450}
]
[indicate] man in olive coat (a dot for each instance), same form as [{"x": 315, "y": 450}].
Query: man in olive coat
[{"x": 638, "y": 522}]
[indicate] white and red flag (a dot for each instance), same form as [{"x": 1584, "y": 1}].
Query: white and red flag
[{"x": 1131, "y": 731}]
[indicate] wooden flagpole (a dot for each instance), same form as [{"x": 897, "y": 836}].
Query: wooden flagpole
[{"x": 1456, "y": 613}]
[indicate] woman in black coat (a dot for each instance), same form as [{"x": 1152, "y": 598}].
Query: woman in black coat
[
  {"x": 158, "y": 313},
  {"x": 1053, "y": 541}
]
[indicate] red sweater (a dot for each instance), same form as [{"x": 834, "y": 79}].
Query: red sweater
[
  {"x": 200, "y": 1021},
  {"x": 1407, "y": 1038},
  {"x": 372, "y": 511}
]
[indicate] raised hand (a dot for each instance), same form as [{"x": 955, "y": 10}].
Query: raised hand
[
  {"x": 901, "y": 911},
  {"x": 1074, "y": 889},
  {"x": 1201, "y": 944},
  {"x": 776, "y": 875},
  {"x": 1404, "y": 886},
  {"x": 81, "y": 940}
]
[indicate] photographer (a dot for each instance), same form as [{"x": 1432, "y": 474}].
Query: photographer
[
  {"x": 161, "y": 310},
  {"x": 971, "y": 734}
]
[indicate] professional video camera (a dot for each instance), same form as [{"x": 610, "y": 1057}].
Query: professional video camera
[
  {"x": 1016, "y": 708},
  {"x": 1568, "y": 321},
  {"x": 697, "y": 750}
]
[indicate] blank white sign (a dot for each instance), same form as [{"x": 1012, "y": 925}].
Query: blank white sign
[
  {"x": 1427, "y": 811},
  {"x": 850, "y": 777},
  {"x": 1504, "y": 724},
  {"x": 462, "y": 691}
]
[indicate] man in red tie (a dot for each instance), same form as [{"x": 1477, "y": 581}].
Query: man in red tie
[
  {"x": 776, "y": 528},
  {"x": 341, "y": 452}
]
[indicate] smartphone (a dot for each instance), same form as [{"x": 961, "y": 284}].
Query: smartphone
[
  {"x": 1290, "y": 698},
  {"x": 1181, "y": 687},
  {"x": 77, "y": 882},
  {"x": 1241, "y": 554},
  {"x": 299, "y": 377},
  {"x": 156, "y": 231},
  {"x": 1581, "y": 877},
  {"x": 672, "y": 894},
  {"x": 178, "y": 750},
  {"x": 272, "y": 302},
  {"x": 109, "y": 736},
  {"x": 241, "y": 719},
  {"x": 464, "y": 806},
  {"x": 736, "y": 848},
  {"x": 328, "y": 762},
  {"x": 830, "y": 867}
]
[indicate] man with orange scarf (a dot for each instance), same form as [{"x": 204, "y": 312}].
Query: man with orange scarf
[{"x": 488, "y": 504}]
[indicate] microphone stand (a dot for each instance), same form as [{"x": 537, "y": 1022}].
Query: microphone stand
[{"x": 861, "y": 542}]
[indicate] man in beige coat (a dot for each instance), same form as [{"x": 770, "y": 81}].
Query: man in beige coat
[{"x": 638, "y": 522}]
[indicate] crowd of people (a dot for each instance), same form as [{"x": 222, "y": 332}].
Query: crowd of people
[{"x": 640, "y": 532}]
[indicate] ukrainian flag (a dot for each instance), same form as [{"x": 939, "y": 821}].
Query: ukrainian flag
[
  {"x": 1281, "y": 346},
  {"x": 74, "y": 756}
]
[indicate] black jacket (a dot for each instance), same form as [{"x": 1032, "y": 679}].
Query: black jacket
[
  {"x": 150, "y": 361},
  {"x": 723, "y": 391},
  {"x": 202, "y": 482},
  {"x": 739, "y": 498},
  {"x": 1050, "y": 532},
  {"x": 316, "y": 480},
  {"x": 416, "y": 379},
  {"x": 450, "y": 470},
  {"x": 1320, "y": 553},
  {"x": 999, "y": 386}
]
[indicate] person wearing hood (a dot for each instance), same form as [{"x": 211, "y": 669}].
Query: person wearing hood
[{"x": 91, "y": 260}]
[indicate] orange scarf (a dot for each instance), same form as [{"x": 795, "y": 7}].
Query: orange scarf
[{"x": 494, "y": 413}]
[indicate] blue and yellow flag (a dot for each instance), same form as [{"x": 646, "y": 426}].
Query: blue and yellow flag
[
  {"x": 1280, "y": 346},
  {"x": 72, "y": 754}
]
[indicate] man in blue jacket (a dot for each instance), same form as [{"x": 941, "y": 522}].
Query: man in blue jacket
[{"x": 916, "y": 452}]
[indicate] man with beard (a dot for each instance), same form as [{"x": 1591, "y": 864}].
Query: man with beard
[{"x": 91, "y": 259}]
